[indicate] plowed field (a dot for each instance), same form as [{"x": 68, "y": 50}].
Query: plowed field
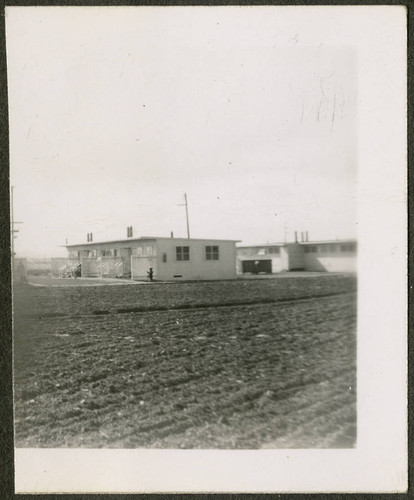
[{"x": 243, "y": 364}]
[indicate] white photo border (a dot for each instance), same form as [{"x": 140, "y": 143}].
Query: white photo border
[{"x": 379, "y": 462}]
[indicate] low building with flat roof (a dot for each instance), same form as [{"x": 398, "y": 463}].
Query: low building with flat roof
[
  {"x": 331, "y": 256},
  {"x": 166, "y": 258}
]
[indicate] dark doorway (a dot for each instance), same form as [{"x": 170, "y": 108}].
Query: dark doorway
[{"x": 257, "y": 266}]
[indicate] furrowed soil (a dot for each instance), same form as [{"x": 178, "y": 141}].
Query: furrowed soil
[{"x": 237, "y": 365}]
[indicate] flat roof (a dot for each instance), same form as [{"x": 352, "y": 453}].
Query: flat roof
[
  {"x": 320, "y": 242},
  {"x": 327, "y": 242},
  {"x": 263, "y": 246},
  {"x": 141, "y": 238}
]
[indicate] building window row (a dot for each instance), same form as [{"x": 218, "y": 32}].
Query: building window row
[
  {"x": 112, "y": 252},
  {"x": 348, "y": 247},
  {"x": 143, "y": 251},
  {"x": 252, "y": 251},
  {"x": 274, "y": 250},
  {"x": 182, "y": 253}
]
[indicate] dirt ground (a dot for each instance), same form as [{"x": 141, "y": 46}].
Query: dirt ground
[{"x": 238, "y": 365}]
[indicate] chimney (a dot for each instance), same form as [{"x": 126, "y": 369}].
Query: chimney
[
  {"x": 296, "y": 236},
  {"x": 307, "y": 236},
  {"x": 301, "y": 236},
  {"x": 91, "y": 237},
  {"x": 129, "y": 232},
  {"x": 172, "y": 234}
]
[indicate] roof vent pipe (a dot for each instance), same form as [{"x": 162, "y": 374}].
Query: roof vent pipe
[
  {"x": 296, "y": 236},
  {"x": 172, "y": 234}
]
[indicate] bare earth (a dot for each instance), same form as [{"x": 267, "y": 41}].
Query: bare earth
[{"x": 243, "y": 364}]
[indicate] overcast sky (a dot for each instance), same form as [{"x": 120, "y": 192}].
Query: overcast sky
[{"x": 116, "y": 112}]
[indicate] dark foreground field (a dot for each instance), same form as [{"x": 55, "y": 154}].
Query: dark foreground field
[{"x": 243, "y": 364}]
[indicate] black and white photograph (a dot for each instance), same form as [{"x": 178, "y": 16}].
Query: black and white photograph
[{"x": 199, "y": 226}]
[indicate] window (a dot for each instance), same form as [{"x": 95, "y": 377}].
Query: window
[
  {"x": 164, "y": 257},
  {"x": 333, "y": 248},
  {"x": 182, "y": 253},
  {"x": 274, "y": 250},
  {"x": 137, "y": 251},
  {"x": 349, "y": 247},
  {"x": 310, "y": 249},
  {"x": 324, "y": 248},
  {"x": 212, "y": 252},
  {"x": 115, "y": 252},
  {"x": 148, "y": 250}
]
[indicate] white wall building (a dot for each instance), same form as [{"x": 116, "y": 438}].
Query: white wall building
[
  {"x": 331, "y": 256},
  {"x": 169, "y": 259}
]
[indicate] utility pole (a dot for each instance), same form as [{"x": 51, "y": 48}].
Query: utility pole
[{"x": 186, "y": 214}]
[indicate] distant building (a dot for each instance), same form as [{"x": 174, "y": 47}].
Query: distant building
[
  {"x": 331, "y": 256},
  {"x": 168, "y": 258}
]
